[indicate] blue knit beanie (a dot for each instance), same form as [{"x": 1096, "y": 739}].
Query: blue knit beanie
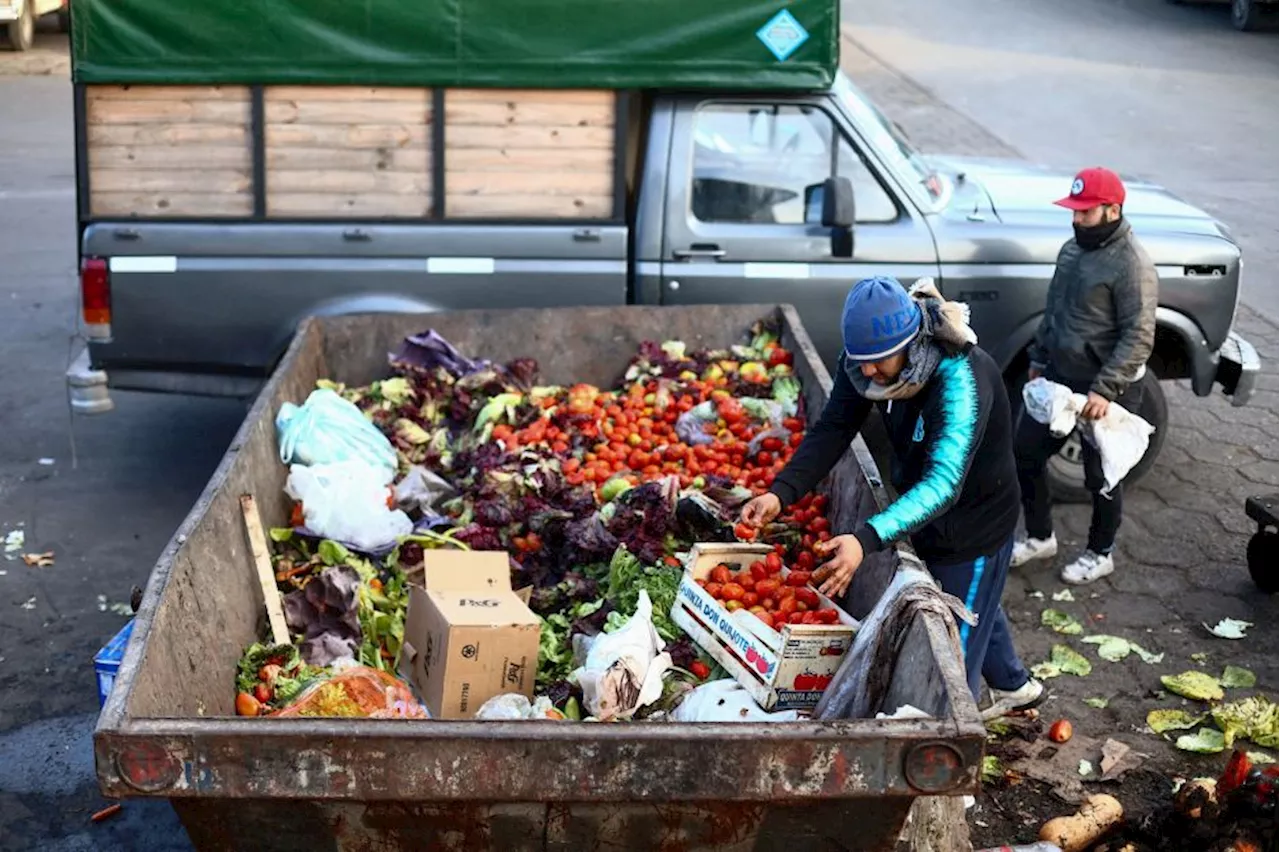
[{"x": 880, "y": 318}]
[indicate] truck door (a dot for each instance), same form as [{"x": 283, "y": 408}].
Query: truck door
[{"x": 743, "y": 213}]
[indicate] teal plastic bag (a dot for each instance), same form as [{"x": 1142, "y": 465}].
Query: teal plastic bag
[{"x": 328, "y": 429}]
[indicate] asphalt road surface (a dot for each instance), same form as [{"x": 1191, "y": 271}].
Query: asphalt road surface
[
  {"x": 1194, "y": 107},
  {"x": 1171, "y": 93}
]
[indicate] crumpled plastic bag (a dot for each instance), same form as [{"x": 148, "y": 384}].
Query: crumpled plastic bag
[
  {"x": 422, "y": 490},
  {"x": 726, "y": 701},
  {"x": 622, "y": 671},
  {"x": 513, "y": 705},
  {"x": 1121, "y": 436},
  {"x": 357, "y": 692},
  {"x": 327, "y": 429},
  {"x": 347, "y": 502}
]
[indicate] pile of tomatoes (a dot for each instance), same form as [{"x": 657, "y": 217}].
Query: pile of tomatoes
[{"x": 764, "y": 591}]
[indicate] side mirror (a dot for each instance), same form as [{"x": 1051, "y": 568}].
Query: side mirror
[{"x": 837, "y": 203}]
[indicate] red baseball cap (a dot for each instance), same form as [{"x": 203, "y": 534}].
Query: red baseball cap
[{"x": 1092, "y": 188}]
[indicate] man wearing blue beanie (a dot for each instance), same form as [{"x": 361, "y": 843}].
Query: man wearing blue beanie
[{"x": 945, "y": 408}]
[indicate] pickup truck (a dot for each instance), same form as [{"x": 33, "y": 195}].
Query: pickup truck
[
  {"x": 18, "y": 20},
  {"x": 674, "y": 198}
]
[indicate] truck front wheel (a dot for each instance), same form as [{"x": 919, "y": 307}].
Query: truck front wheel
[
  {"x": 1245, "y": 15},
  {"x": 1066, "y": 469},
  {"x": 22, "y": 32}
]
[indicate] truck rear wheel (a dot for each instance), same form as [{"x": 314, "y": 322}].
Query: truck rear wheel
[
  {"x": 1066, "y": 469},
  {"x": 1262, "y": 554},
  {"x": 22, "y": 32}
]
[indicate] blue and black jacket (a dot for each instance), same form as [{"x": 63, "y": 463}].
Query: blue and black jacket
[{"x": 952, "y": 466}]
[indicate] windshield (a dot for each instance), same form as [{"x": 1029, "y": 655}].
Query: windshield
[{"x": 891, "y": 143}]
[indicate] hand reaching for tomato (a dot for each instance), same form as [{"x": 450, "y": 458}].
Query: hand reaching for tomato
[
  {"x": 761, "y": 510},
  {"x": 846, "y": 557}
]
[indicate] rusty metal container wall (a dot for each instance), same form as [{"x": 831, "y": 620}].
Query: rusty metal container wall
[{"x": 168, "y": 728}]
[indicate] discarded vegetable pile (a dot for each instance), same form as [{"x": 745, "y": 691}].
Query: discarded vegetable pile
[{"x": 591, "y": 492}]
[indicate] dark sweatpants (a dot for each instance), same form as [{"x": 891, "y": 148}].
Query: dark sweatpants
[
  {"x": 1034, "y": 445},
  {"x": 988, "y": 645}
]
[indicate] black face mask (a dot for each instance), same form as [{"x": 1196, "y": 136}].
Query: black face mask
[{"x": 1093, "y": 237}]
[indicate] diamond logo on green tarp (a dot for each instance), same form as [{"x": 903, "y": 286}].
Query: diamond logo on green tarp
[{"x": 782, "y": 35}]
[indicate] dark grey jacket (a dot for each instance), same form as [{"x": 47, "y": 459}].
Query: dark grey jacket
[{"x": 1099, "y": 323}]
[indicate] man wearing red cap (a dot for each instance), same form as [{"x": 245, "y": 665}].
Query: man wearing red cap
[{"x": 1095, "y": 337}]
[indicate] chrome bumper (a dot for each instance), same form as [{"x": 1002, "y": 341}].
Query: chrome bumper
[
  {"x": 1238, "y": 367},
  {"x": 87, "y": 387}
]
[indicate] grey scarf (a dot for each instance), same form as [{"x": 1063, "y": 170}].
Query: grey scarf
[{"x": 944, "y": 330}]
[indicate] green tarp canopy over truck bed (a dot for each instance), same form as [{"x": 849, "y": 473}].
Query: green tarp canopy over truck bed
[{"x": 602, "y": 44}]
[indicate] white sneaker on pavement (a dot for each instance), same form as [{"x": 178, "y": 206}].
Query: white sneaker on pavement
[
  {"x": 1003, "y": 702},
  {"x": 1029, "y": 549},
  {"x": 1088, "y": 567}
]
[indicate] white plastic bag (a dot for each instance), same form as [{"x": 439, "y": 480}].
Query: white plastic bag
[
  {"x": 513, "y": 705},
  {"x": 327, "y": 429},
  {"x": 623, "y": 670},
  {"x": 347, "y": 502},
  {"x": 1121, "y": 436},
  {"x": 726, "y": 701}
]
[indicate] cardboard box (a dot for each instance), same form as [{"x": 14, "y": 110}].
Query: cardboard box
[
  {"x": 468, "y": 636},
  {"x": 107, "y": 661},
  {"x": 782, "y": 670}
]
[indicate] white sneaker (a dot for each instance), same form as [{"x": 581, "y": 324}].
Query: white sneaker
[
  {"x": 1029, "y": 695},
  {"x": 1029, "y": 549},
  {"x": 1089, "y": 567}
]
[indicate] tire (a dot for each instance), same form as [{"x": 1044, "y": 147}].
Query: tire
[
  {"x": 1262, "y": 555},
  {"x": 22, "y": 32},
  {"x": 1245, "y": 15},
  {"x": 1066, "y": 469}
]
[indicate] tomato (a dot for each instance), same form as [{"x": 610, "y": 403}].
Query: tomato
[
  {"x": 247, "y": 705},
  {"x": 732, "y": 592},
  {"x": 733, "y": 606},
  {"x": 785, "y": 592},
  {"x": 746, "y": 581},
  {"x": 773, "y": 563},
  {"x": 804, "y": 561},
  {"x": 825, "y": 535},
  {"x": 759, "y": 571},
  {"x": 769, "y": 603},
  {"x": 715, "y": 590},
  {"x": 820, "y": 502},
  {"x": 771, "y": 445},
  {"x": 819, "y": 525},
  {"x": 262, "y": 692},
  {"x": 750, "y": 599},
  {"x": 808, "y": 597},
  {"x": 796, "y": 440},
  {"x": 762, "y": 614},
  {"x": 702, "y": 583},
  {"x": 828, "y": 616},
  {"x": 1060, "y": 731},
  {"x": 786, "y": 606},
  {"x": 793, "y": 424},
  {"x": 700, "y": 670},
  {"x": 795, "y": 618},
  {"x": 766, "y": 588},
  {"x": 721, "y": 574},
  {"x": 744, "y": 532},
  {"x": 798, "y": 578}
]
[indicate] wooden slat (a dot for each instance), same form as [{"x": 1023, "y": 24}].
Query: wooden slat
[
  {"x": 517, "y": 159},
  {"x": 552, "y": 206},
  {"x": 320, "y": 205},
  {"x": 526, "y": 113},
  {"x": 261, "y": 554},
  {"x": 353, "y": 159},
  {"x": 172, "y": 157},
  {"x": 571, "y": 138},
  {"x": 294, "y": 111},
  {"x": 353, "y": 136},
  {"x": 177, "y": 110},
  {"x": 171, "y": 134},
  {"x": 360, "y": 94},
  {"x": 170, "y": 204},
  {"x": 584, "y": 182},
  {"x": 228, "y": 181},
  {"x": 166, "y": 93},
  {"x": 590, "y": 97},
  {"x": 332, "y": 181}
]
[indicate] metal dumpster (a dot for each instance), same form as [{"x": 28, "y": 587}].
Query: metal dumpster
[{"x": 169, "y": 728}]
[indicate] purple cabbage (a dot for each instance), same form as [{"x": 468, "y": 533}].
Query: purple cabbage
[
  {"x": 426, "y": 351},
  {"x": 326, "y": 613}
]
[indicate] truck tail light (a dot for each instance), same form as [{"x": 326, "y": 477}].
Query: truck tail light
[
  {"x": 147, "y": 766},
  {"x": 95, "y": 297}
]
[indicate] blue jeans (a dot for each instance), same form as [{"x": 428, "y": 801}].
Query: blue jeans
[{"x": 988, "y": 645}]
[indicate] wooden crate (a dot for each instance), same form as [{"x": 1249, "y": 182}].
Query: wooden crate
[
  {"x": 347, "y": 151},
  {"x": 159, "y": 151},
  {"x": 534, "y": 153}
]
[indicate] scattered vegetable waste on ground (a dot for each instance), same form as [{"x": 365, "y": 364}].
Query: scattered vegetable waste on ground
[{"x": 592, "y": 492}]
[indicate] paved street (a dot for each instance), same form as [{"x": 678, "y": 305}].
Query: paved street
[{"x": 1198, "y": 112}]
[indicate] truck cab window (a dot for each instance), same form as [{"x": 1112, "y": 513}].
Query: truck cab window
[{"x": 753, "y": 163}]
